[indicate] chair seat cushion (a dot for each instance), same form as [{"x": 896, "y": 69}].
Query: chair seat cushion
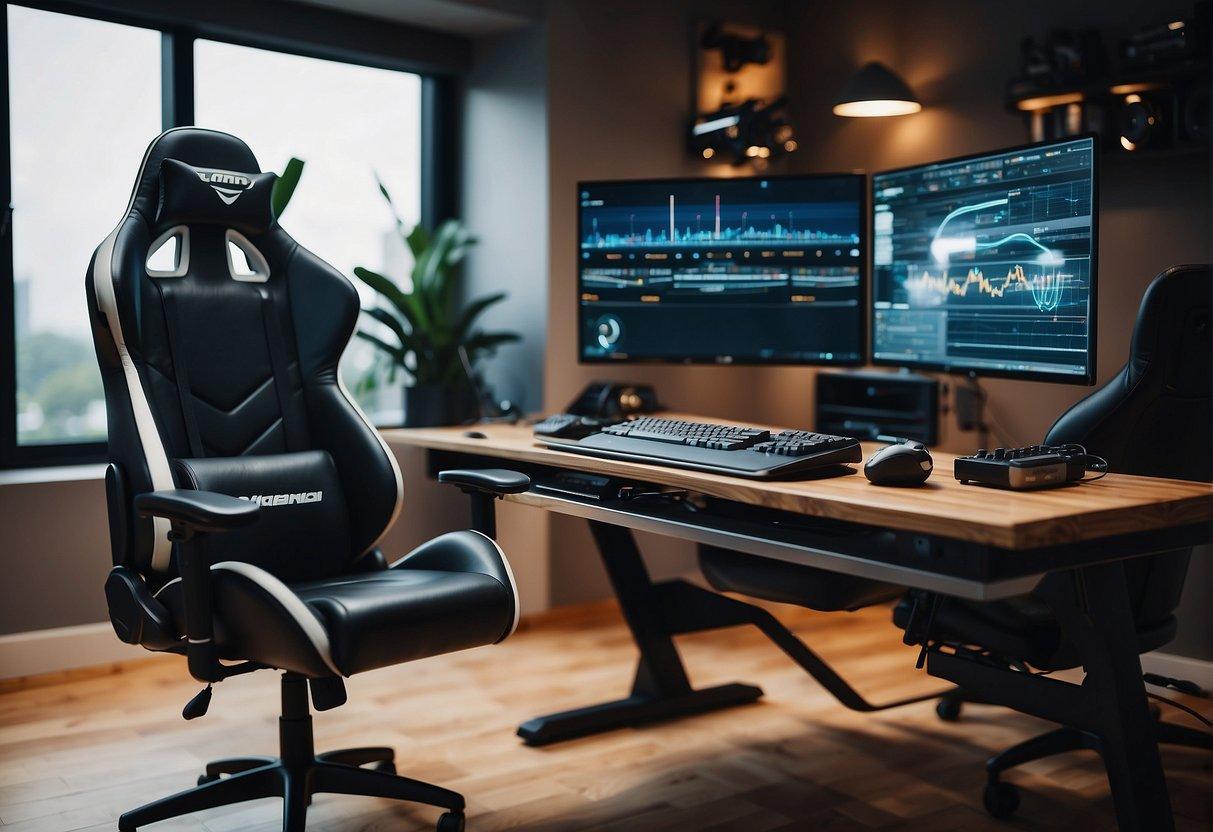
[
  {"x": 397, "y": 615},
  {"x": 790, "y": 583},
  {"x": 452, "y": 593},
  {"x": 1023, "y": 629}
]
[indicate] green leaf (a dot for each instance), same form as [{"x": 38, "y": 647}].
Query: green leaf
[
  {"x": 284, "y": 186},
  {"x": 396, "y": 353},
  {"x": 407, "y": 305},
  {"x": 489, "y": 341},
  {"x": 473, "y": 311},
  {"x": 383, "y": 316},
  {"x": 418, "y": 240},
  {"x": 433, "y": 268}
]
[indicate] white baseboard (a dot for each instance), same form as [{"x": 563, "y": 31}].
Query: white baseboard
[
  {"x": 63, "y": 648},
  {"x": 85, "y": 645},
  {"x": 1179, "y": 667}
]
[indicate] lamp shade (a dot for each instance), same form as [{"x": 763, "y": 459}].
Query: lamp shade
[{"x": 876, "y": 90}]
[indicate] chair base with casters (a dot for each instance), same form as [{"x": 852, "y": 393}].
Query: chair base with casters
[
  {"x": 1001, "y": 799},
  {"x": 297, "y": 774}
]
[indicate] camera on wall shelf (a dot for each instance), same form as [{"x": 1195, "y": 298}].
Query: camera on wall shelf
[
  {"x": 1164, "y": 118},
  {"x": 1159, "y": 98}
]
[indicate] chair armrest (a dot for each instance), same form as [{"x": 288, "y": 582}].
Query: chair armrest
[
  {"x": 485, "y": 486},
  {"x": 194, "y": 515},
  {"x": 495, "y": 481},
  {"x": 197, "y": 511}
]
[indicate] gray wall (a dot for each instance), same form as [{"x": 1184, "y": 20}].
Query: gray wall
[{"x": 504, "y": 199}]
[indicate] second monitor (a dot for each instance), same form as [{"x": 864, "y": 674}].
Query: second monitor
[
  {"x": 986, "y": 264},
  {"x": 754, "y": 270}
]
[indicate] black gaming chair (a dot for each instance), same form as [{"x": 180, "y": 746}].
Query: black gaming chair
[
  {"x": 247, "y": 492},
  {"x": 1153, "y": 419}
]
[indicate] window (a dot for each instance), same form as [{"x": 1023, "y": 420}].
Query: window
[
  {"x": 348, "y": 123},
  {"x": 84, "y": 97},
  {"x": 84, "y": 100}
]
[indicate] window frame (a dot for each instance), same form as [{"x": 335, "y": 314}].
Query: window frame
[{"x": 178, "y": 32}]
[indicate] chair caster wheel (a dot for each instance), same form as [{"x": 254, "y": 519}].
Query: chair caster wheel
[
  {"x": 451, "y": 822},
  {"x": 948, "y": 709},
  {"x": 384, "y": 766},
  {"x": 1000, "y": 799},
  {"x": 203, "y": 779}
]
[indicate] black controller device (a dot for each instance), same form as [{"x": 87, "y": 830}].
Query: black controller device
[{"x": 1033, "y": 466}]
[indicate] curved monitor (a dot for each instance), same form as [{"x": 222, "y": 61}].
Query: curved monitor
[
  {"x": 986, "y": 264},
  {"x": 749, "y": 270}
]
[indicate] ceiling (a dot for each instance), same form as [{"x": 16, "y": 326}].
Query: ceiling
[{"x": 471, "y": 18}]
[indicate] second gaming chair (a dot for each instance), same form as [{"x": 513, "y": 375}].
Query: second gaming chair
[
  {"x": 247, "y": 493},
  {"x": 805, "y": 586},
  {"x": 1152, "y": 418}
]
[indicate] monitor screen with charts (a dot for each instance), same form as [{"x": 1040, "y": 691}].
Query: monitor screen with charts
[
  {"x": 755, "y": 270},
  {"x": 986, "y": 264}
]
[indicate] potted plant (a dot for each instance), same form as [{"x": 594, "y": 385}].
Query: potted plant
[{"x": 430, "y": 335}]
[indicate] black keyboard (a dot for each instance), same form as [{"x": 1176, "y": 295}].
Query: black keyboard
[{"x": 738, "y": 450}]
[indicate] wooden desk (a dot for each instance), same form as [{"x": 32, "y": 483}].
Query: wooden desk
[
  {"x": 946, "y": 538},
  {"x": 1114, "y": 505}
]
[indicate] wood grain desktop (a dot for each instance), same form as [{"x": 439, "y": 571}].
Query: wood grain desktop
[{"x": 1115, "y": 504}]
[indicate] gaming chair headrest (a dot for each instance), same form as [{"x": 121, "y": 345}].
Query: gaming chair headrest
[
  {"x": 1171, "y": 337},
  {"x": 204, "y": 151},
  {"x": 191, "y": 195}
]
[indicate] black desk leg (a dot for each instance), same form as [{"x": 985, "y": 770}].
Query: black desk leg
[
  {"x": 661, "y": 689},
  {"x": 1100, "y": 619}
]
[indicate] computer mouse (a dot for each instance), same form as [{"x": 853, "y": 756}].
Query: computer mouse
[
  {"x": 474, "y": 434},
  {"x": 907, "y": 463}
]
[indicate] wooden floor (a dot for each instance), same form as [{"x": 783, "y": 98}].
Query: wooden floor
[{"x": 75, "y": 755}]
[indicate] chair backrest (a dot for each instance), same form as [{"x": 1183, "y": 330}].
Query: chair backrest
[
  {"x": 220, "y": 368},
  {"x": 1153, "y": 417}
]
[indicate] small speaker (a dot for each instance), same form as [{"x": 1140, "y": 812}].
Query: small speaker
[
  {"x": 878, "y": 405},
  {"x": 611, "y": 399}
]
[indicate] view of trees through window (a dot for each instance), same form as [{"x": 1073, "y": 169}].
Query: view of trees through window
[{"x": 84, "y": 101}]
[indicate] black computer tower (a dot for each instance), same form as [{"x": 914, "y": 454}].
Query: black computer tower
[{"x": 872, "y": 405}]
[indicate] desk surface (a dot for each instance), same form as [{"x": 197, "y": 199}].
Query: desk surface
[{"x": 1116, "y": 504}]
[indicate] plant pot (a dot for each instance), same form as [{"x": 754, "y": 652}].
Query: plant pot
[
  {"x": 434, "y": 405},
  {"x": 427, "y": 406}
]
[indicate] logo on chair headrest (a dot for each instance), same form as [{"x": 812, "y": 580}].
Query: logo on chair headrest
[
  {"x": 229, "y": 186},
  {"x": 285, "y": 499}
]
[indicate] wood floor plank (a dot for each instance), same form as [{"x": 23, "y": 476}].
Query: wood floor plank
[{"x": 75, "y": 754}]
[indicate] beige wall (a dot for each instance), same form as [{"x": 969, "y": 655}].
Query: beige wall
[
  {"x": 619, "y": 79},
  {"x": 54, "y": 541}
]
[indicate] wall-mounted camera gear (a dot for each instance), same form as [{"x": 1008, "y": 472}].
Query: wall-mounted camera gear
[
  {"x": 1157, "y": 99},
  {"x": 749, "y": 132},
  {"x": 736, "y": 49},
  {"x": 1065, "y": 57},
  {"x": 738, "y": 95},
  {"x": 1169, "y": 43},
  {"x": 1141, "y": 122}
]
